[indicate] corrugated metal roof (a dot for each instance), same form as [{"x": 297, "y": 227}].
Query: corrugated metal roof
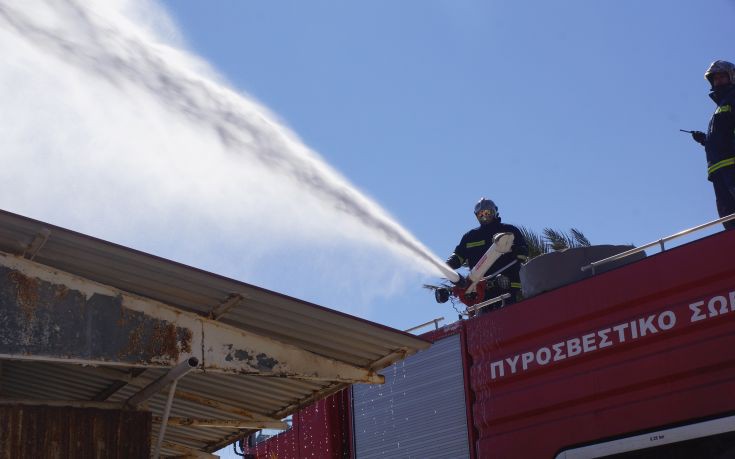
[{"x": 289, "y": 320}]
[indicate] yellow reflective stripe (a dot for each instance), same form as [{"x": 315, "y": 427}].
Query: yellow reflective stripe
[
  {"x": 522, "y": 257},
  {"x": 724, "y": 109},
  {"x": 719, "y": 165},
  {"x": 515, "y": 285},
  {"x": 475, "y": 244}
]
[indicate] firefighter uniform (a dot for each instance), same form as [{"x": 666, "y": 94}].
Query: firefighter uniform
[
  {"x": 720, "y": 148},
  {"x": 719, "y": 141},
  {"x": 475, "y": 243}
]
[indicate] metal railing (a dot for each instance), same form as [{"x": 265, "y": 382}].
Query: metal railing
[
  {"x": 434, "y": 321},
  {"x": 659, "y": 242},
  {"x": 498, "y": 299}
]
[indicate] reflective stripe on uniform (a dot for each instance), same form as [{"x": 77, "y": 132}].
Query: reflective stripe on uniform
[
  {"x": 515, "y": 285},
  {"x": 724, "y": 109},
  {"x": 475, "y": 244},
  {"x": 720, "y": 164},
  {"x": 522, "y": 257}
]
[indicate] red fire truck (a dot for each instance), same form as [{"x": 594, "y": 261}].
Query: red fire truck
[{"x": 634, "y": 362}]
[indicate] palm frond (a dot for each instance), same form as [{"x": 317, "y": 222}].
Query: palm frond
[
  {"x": 551, "y": 240},
  {"x": 536, "y": 244},
  {"x": 580, "y": 238},
  {"x": 558, "y": 240}
]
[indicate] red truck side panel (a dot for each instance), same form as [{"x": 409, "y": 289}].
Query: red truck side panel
[
  {"x": 638, "y": 347},
  {"x": 319, "y": 431},
  {"x": 644, "y": 346}
]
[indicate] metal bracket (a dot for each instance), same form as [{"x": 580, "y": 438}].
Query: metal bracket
[
  {"x": 37, "y": 244},
  {"x": 221, "y": 309}
]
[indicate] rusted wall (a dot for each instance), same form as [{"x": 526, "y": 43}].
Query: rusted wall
[
  {"x": 60, "y": 433},
  {"x": 46, "y": 319}
]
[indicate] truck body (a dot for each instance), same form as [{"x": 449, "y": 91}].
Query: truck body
[{"x": 637, "y": 362}]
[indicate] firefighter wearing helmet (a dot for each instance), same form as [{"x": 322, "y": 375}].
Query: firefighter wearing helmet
[
  {"x": 475, "y": 243},
  {"x": 719, "y": 141}
]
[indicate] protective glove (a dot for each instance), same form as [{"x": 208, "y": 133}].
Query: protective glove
[
  {"x": 699, "y": 137},
  {"x": 462, "y": 282}
]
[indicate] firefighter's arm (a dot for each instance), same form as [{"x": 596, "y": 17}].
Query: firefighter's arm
[
  {"x": 454, "y": 261},
  {"x": 457, "y": 259}
]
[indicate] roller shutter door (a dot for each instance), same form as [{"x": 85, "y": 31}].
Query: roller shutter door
[{"x": 420, "y": 410}]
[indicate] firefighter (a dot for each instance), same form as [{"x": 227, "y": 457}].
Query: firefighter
[
  {"x": 719, "y": 141},
  {"x": 475, "y": 243}
]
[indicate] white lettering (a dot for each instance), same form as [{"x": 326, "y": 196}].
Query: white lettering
[
  {"x": 640, "y": 327},
  {"x": 663, "y": 324},
  {"x": 512, "y": 361},
  {"x": 588, "y": 342},
  {"x": 558, "y": 354},
  {"x": 541, "y": 360},
  {"x": 712, "y": 306},
  {"x": 646, "y": 325},
  {"x": 526, "y": 359},
  {"x": 723, "y": 307},
  {"x": 500, "y": 372},
  {"x": 603, "y": 337},
  {"x": 573, "y": 347},
  {"x": 621, "y": 331},
  {"x": 634, "y": 330},
  {"x": 696, "y": 312}
]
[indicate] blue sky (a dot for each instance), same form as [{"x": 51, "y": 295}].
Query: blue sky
[{"x": 565, "y": 113}]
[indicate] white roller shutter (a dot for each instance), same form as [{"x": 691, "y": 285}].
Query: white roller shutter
[{"x": 420, "y": 410}]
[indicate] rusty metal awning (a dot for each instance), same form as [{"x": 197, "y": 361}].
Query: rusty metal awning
[{"x": 88, "y": 321}]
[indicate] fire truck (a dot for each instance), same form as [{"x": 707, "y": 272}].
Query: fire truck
[{"x": 633, "y": 361}]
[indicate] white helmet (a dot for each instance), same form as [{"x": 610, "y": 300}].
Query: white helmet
[{"x": 720, "y": 67}]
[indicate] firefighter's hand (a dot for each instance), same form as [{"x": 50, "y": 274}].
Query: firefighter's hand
[
  {"x": 461, "y": 282},
  {"x": 699, "y": 137}
]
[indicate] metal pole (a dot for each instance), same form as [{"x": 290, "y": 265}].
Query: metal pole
[
  {"x": 156, "y": 386},
  {"x": 660, "y": 242},
  {"x": 435, "y": 322},
  {"x": 485, "y": 303},
  {"x": 164, "y": 420}
]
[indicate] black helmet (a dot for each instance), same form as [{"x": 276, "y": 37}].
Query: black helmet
[
  {"x": 720, "y": 67},
  {"x": 485, "y": 210}
]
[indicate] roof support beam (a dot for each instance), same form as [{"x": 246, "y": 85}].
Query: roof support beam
[
  {"x": 118, "y": 385},
  {"x": 55, "y": 316},
  {"x": 223, "y": 423},
  {"x": 64, "y": 403}
]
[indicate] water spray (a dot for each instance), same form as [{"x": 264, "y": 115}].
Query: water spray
[{"x": 111, "y": 49}]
